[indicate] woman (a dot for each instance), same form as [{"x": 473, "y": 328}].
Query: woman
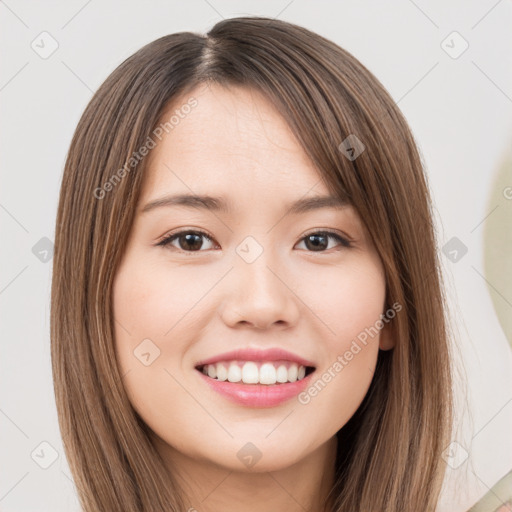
[{"x": 247, "y": 310}]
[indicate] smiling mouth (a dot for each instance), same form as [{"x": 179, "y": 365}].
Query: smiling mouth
[{"x": 268, "y": 373}]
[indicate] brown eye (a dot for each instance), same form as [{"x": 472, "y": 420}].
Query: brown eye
[
  {"x": 193, "y": 241},
  {"x": 188, "y": 241},
  {"x": 319, "y": 241}
]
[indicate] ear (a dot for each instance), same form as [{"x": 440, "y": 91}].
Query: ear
[{"x": 387, "y": 337}]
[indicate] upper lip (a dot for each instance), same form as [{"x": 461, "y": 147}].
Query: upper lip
[{"x": 254, "y": 354}]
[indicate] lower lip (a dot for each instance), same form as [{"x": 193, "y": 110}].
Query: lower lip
[{"x": 257, "y": 395}]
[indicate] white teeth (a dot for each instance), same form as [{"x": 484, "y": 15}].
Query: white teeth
[
  {"x": 250, "y": 372},
  {"x": 222, "y": 372},
  {"x": 282, "y": 374},
  {"x": 234, "y": 373},
  {"x": 268, "y": 373}
]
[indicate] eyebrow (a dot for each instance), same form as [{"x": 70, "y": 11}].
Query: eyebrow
[{"x": 205, "y": 202}]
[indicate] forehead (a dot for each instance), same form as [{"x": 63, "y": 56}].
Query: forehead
[{"x": 231, "y": 137}]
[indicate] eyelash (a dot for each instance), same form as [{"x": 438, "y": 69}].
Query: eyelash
[{"x": 344, "y": 242}]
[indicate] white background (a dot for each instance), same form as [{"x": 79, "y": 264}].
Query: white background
[{"x": 459, "y": 110}]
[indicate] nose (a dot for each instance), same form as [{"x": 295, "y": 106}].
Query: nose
[{"x": 260, "y": 294}]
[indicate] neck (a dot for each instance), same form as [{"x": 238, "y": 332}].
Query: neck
[{"x": 208, "y": 487}]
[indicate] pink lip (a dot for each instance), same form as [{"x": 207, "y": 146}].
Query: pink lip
[
  {"x": 251, "y": 354},
  {"x": 258, "y": 395}
]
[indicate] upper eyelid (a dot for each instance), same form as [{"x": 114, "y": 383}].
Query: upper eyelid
[
  {"x": 176, "y": 233},
  {"x": 328, "y": 231}
]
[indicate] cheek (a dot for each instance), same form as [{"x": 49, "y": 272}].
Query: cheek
[
  {"x": 141, "y": 310},
  {"x": 156, "y": 299},
  {"x": 138, "y": 296},
  {"x": 349, "y": 301},
  {"x": 150, "y": 325},
  {"x": 172, "y": 307},
  {"x": 157, "y": 312},
  {"x": 150, "y": 304}
]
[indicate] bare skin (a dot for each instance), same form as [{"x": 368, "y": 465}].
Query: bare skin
[{"x": 194, "y": 304}]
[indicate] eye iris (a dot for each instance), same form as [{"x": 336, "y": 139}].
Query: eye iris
[
  {"x": 315, "y": 241},
  {"x": 192, "y": 241}
]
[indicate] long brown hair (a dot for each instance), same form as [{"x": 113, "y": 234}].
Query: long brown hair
[{"x": 389, "y": 456}]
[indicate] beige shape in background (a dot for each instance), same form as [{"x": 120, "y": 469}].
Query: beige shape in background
[{"x": 498, "y": 245}]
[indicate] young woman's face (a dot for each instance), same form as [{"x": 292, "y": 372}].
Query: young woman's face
[{"x": 256, "y": 274}]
